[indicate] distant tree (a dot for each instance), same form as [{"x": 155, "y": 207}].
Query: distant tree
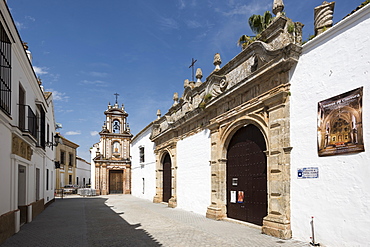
[{"x": 257, "y": 23}]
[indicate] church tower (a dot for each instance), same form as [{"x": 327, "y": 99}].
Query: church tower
[{"x": 112, "y": 160}]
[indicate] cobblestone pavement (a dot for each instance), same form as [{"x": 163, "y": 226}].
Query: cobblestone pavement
[{"x": 124, "y": 220}]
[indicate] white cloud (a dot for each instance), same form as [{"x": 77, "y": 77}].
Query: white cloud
[
  {"x": 182, "y": 4},
  {"x": 73, "y": 133},
  {"x": 256, "y": 7},
  {"x": 168, "y": 23},
  {"x": 30, "y": 18},
  {"x": 193, "y": 24},
  {"x": 58, "y": 96},
  {"x": 64, "y": 111},
  {"x": 96, "y": 82},
  {"x": 98, "y": 74},
  {"x": 94, "y": 133},
  {"x": 40, "y": 70},
  {"x": 19, "y": 25}
]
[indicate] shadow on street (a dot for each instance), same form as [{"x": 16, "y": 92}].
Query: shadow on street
[{"x": 78, "y": 221}]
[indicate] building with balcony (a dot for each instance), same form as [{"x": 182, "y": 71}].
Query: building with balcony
[
  {"x": 27, "y": 127},
  {"x": 65, "y": 160}
]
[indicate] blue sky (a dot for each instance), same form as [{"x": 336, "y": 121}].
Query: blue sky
[{"x": 85, "y": 51}]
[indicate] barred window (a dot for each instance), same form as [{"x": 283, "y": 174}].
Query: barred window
[
  {"x": 142, "y": 156},
  {"x": 5, "y": 72}
]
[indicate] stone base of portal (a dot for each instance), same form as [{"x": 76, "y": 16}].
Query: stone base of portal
[
  {"x": 172, "y": 203},
  {"x": 277, "y": 227},
  {"x": 215, "y": 213},
  {"x": 157, "y": 199}
]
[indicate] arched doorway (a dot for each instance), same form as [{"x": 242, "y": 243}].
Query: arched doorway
[
  {"x": 167, "y": 178},
  {"x": 247, "y": 176}
]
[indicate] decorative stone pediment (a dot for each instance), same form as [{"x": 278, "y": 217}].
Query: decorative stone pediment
[{"x": 260, "y": 67}]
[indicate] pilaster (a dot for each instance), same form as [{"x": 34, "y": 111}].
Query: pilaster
[
  {"x": 217, "y": 209},
  {"x": 277, "y": 222}
]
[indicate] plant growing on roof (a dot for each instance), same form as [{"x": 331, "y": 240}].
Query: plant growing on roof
[{"x": 257, "y": 23}]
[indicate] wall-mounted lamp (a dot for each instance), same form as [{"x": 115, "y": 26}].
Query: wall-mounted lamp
[{"x": 56, "y": 141}]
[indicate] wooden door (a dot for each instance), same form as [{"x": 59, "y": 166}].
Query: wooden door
[
  {"x": 167, "y": 178},
  {"x": 247, "y": 176},
  {"x": 115, "y": 181}
]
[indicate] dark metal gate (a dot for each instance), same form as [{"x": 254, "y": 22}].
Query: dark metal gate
[
  {"x": 115, "y": 182},
  {"x": 167, "y": 177},
  {"x": 247, "y": 176}
]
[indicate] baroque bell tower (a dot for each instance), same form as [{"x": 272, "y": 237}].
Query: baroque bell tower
[{"x": 112, "y": 161}]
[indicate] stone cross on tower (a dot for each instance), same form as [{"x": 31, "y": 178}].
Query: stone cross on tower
[
  {"x": 116, "y": 94},
  {"x": 278, "y": 7}
]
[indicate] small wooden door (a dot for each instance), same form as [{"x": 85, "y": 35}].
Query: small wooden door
[
  {"x": 167, "y": 178},
  {"x": 115, "y": 181},
  {"x": 247, "y": 176}
]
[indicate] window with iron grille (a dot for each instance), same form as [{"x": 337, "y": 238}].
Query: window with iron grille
[
  {"x": 47, "y": 179},
  {"x": 21, "y": 108},
  {"x": 5, "y": 72},
  {"x": 142, "y": 156},
  {"x": 32, "y": 122},
  {"x": 41, "y": 127}
]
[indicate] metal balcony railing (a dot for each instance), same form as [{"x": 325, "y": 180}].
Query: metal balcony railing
[{"x": 27, "y": 120}]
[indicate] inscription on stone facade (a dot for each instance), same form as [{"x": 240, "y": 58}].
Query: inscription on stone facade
[{"x": 21, "y": 148}]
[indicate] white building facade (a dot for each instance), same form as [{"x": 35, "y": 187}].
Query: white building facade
[
  {"x": 275, "y": 137},
  {"x": 83, "y": 172},
  {"x": 27, "y": 127},
  {"x": 338, "y": 195},
  {"x": 143, "y": 165}
]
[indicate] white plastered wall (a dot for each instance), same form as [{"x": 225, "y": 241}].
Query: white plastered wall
[
  {"x": 6, "y": 185},
  {"x": 194, "y": 173},
  {"x": 333, "y": 63},
  {"x": 83, "y": 171},
  {"x": 143, "y": 174}
]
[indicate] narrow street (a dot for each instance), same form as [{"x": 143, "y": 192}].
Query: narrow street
[{"x": 124, "y": 220}]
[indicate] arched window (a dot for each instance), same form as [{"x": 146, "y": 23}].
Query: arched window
[
  {"x": 116, "y": 126},
  {"x": 116, "y": 147}
]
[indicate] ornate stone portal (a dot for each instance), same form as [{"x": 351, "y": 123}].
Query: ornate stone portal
[
  {"x": 253, "y": 88},
  {"x": 112, "y": 161}
]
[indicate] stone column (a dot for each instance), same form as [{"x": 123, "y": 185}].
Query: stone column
[
  {"x": 127, "y": 174},
  {"x": 103, "y": 178},
  {"x": 277, "y": 222},
  {"x": 97, "y": 179},
  {"x": 158, "y": 179},
  {"x": 173, "y": 200},
  {"x": 217, "y": 209}
]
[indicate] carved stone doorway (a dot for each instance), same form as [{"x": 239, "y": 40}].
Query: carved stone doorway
[
  {"x": 116, "y": 182},
  {"x": 247, "y": 176},
  {"x": 167, "y": 178}
]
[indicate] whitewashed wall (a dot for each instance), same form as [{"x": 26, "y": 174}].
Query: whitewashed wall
[
  {"x": 50, "y": 152},
  {"x": 92, "y": 156},
  {"x": 143, "y": 171},
  {"x": 339, "y": 200},
  {"x": 194, "y": 173},
  {"x": 83, "y": 171},
  {"x": 7, "y": 168}
]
